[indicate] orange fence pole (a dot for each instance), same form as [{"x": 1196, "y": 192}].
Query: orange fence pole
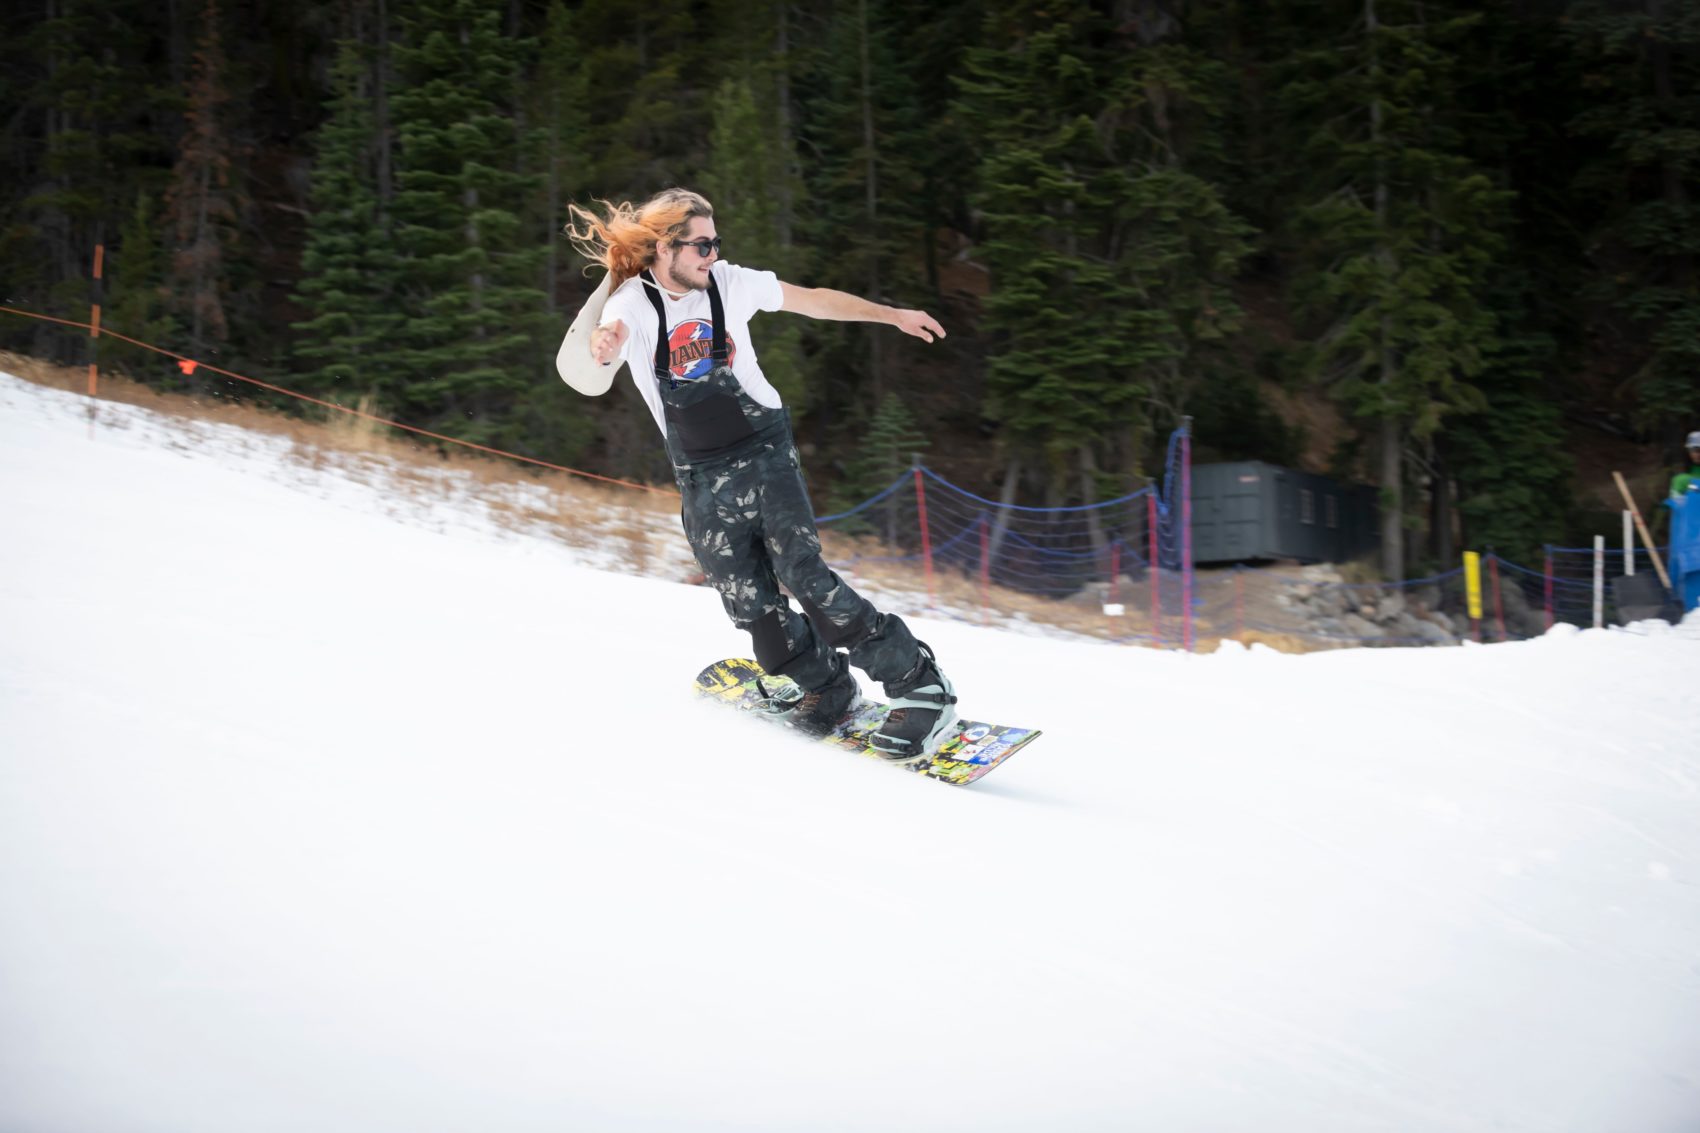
[
  {"x": 926, "y": 535},
  {"x": 94, "y": 314}
]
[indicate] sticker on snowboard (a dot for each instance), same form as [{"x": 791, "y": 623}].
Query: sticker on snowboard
[{"x": 967, "y": 751}]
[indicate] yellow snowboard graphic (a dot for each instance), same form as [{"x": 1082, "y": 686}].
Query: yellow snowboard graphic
[{"x": 969, "y": 750}]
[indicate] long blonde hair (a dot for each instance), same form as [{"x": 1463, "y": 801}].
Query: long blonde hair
[{"x": 624, "y": 240}]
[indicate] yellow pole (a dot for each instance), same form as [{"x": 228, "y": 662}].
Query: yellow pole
[{"x": 1473, "y": 590}]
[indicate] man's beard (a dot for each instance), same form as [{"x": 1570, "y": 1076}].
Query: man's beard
[{"x": 684, "y": 283}]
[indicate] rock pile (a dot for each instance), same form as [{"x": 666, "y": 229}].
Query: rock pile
[
  {"x": 1372, "y": 614},
  {"x": 1316, "y": 602}
]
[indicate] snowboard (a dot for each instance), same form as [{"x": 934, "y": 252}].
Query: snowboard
[{"x": 967, "y": 750}]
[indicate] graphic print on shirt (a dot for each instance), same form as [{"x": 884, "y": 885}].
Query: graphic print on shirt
[{"x": 690, "y": 350}]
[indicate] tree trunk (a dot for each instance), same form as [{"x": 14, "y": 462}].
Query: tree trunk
[
  {"x": 1006, "y": 498},
  {"x": 552, "y": 265},
  {"x": 381, "y": 119},
  {"x": 1675, "y": 192},
  {"x": 1392, "y": 500},
  {"x": 1088, "y": 496},
  {"x": 177, "y": 48},
  {"x": 469, "y": 198},
  {"x": 56, "y": 222},
  {"x": 1392, "y": 431},
  {"x": 1446, "y": 545},
  {"x": 871, "y": 175},
  {"x": 787, "y": 143},
  {"x": 199, "y": 283}
]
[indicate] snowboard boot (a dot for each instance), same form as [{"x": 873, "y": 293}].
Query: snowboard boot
[
  {"x": 923, "y": 705},
  {"x": 823, "y": 709}
]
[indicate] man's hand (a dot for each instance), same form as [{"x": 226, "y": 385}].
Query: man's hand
[
  {"x": 918, "y": 323},
  {"x": 606, "y": 341}
]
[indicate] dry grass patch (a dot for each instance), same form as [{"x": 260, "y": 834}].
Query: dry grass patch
[
  {"x": 318, "y": 440},
  {"x": 358, "y": 431},
  {"x": 638, "y": 528}
]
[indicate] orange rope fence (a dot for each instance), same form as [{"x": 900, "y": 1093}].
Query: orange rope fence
[{"x": 189, "y": 366}]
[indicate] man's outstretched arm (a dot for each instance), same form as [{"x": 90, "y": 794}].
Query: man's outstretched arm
[{"x": 842, "y": 307}]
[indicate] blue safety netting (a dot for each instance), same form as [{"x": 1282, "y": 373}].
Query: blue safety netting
[{"x": 1118, "y": 568}]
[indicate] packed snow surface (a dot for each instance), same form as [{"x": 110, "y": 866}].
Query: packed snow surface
[{"x": 316, "y": 814}]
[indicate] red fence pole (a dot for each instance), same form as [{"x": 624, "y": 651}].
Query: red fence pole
[
  {"x": 1239, "y": 605},
  {"x": 1155, "y": 569},
  {"x": 926, "y": 535}
]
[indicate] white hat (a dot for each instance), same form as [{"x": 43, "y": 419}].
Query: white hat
[
  {"x": 573, "y": 361},
  {"x": 1694, "y": 439}
]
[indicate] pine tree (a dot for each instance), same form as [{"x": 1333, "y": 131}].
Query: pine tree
[
  {"x": 1512, "y": 464},
  {"x": 861, "y": 224},
  {"x": 349, "y": 278},
  {"x": 650, "y": 70},
  {"x": 1510, "y": 460},
  {"x": 473, "y": 338},
  {"x": 1399, "y": 235},
  {"x": 933, "y": 52},
  {"x": 201, "y": 203},
  {"x": 81, "y": 73},
  {"x": 747, "y": 161},
  {"x": 887, "y": 449},
  {"x": 135, "y": 277},
  {"x": 1178, "y": 243},
  {"x": 556, "y": 425},
  {"x": 1643, "y": 61},
  {"x": 1088, "y": 254},
  {"x": 561, "y": 107}
]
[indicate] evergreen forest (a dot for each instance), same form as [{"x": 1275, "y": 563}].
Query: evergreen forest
[{"x": 1446, "y": 249}]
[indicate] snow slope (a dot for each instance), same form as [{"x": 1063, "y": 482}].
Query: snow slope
[{"x": 319, "y": 814}]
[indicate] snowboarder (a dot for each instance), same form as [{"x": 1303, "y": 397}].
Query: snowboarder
[{"x": 679, "y": 315}]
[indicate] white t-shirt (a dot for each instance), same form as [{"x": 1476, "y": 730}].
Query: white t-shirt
[{"x": 743, "y": 292}]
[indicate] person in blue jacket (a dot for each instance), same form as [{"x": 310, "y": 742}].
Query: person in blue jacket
[{"x": 1684, "y": 502}]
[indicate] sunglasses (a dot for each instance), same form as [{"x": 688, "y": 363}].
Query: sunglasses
[{"x": 704, "y": 246}]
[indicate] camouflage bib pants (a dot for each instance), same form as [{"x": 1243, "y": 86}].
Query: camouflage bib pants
[
  {"x": 749, "y": 521},
  {"x": 747, "y": 515}
]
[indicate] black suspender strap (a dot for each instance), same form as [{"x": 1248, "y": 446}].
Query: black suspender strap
[
  {"x": 719, "y": 316},
  {"x": 663, "y": 353},
  {"x": 663, "y": 360}
]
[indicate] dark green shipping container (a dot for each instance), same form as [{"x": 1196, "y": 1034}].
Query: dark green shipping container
[{"x": 1248, "y": 510}]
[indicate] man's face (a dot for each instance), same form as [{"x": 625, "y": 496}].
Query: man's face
[
  {"x": 681, "y": 265},
  {"x": 1694, "y": 456}
]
